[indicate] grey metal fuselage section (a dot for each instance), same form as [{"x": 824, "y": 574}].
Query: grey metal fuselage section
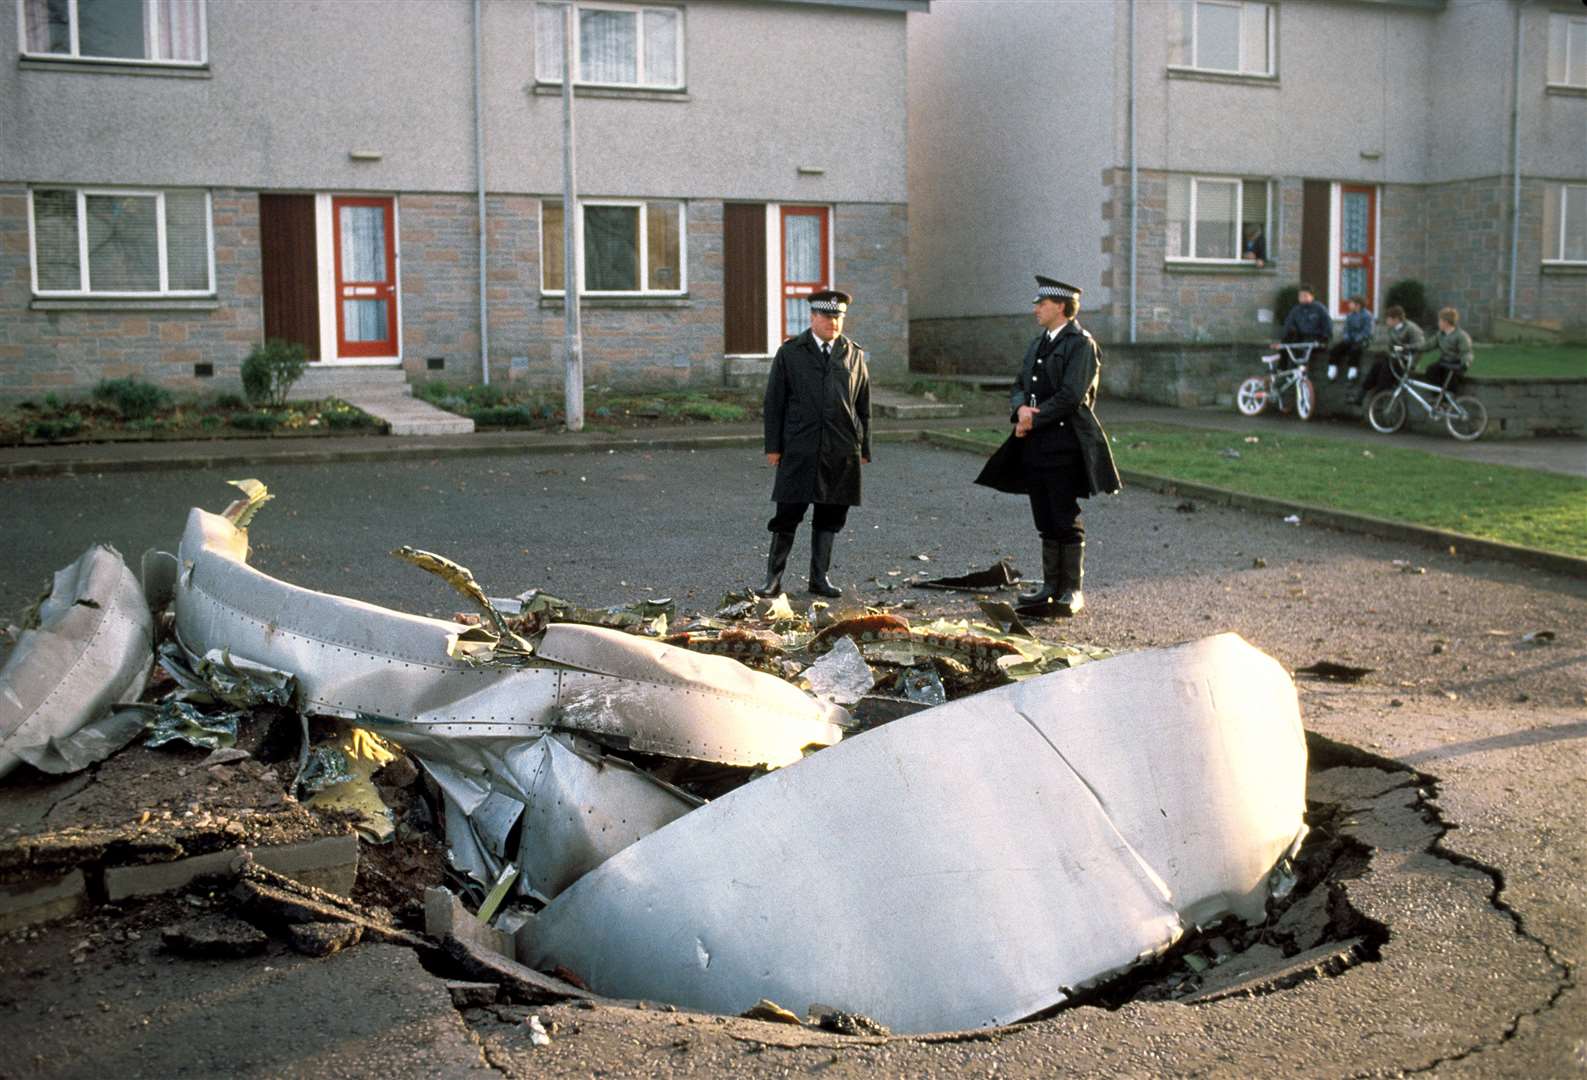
[
  {"x": 967, "y": 865},
  {"x": 354, "y": 659}
]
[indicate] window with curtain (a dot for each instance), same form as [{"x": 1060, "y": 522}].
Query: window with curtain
[
  {"x": 1219, "y": 219},
  {"x": 1234, "y": 36},
  {"x": 626, "y": 247},
  {"x": 1565, "y": 223},
  {"x": 121, "y": 243},
  {"x": 126, "y": 31},
  {"x": 614, "y": 45},
  {"x": 1567, "y": 50}
]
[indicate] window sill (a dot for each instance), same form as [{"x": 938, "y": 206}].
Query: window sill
[
  {"x": 588, "y": 302},
  {"x": 1191, "y": 266},
  {"x": 102, "y": 67},
  {"x": 124, "y": 303},
  {"x": 1565, "y": 269},
  {"x": 1565, "y": 90},
  {"x": 1232, "y": 78},
  {"x": 635, "y": 93}
]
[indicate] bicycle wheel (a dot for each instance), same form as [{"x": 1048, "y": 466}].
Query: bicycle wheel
[
  {"x": 1251, "y": 398},
  {"x": 1466, "y": 419},
  {"x": 1305, "y": 398},
  {"x": 1386, "y": 412}
]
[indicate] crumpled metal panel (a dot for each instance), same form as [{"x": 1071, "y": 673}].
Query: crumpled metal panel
[
  {"x": 356, "y": 659},
  {"x": 969, "y": 864},
  {"x": 93, "y": 649}
]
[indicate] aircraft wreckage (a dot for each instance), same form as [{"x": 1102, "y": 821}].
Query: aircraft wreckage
[{"x": 970, "y": 864}]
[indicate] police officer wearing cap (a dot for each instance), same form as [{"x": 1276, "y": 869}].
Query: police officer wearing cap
[
  {"x": 1058, "y": 453},
  {"x": 818, "y": 434}
]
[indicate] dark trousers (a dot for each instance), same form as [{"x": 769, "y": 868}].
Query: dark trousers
[
  {"x": 1055, "y": 491},
  {"x": 1381, "y": 377},
  {"x": 1442, "y": 374},
  {"x": 1346, "y": 353},
  {"x": 829, "y": 517}
]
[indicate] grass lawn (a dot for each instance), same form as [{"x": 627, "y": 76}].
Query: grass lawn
[
  {"x": 1496, "y": 502},
  {"x": 1527, "y": 361}
]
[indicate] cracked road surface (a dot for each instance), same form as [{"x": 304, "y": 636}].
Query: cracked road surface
[{"x": 1482, "y": 882}]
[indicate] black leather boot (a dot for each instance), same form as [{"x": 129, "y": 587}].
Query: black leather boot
[
  {"x": 1072, "y": 600},
  {"x": 776, "y": 562},
  {"x": 821, "y": 562},
  {"x": 1051, "y": 581}
]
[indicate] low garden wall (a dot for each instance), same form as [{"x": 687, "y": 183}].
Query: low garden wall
[{"x": 1191, "y": 375}]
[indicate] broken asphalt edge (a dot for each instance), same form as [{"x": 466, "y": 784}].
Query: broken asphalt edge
[{"x": 1343, "y": 520}]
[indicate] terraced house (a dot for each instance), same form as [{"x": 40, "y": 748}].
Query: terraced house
[
  {"x": 1182, "y": 160},
  {"x": 382, "y": 182}
]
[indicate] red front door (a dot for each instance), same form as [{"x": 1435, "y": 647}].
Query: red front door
[
  {"x": 1358, "y": 244},
  {"x": 366, "y": 277},
  {"x": 804, "y": 263}
]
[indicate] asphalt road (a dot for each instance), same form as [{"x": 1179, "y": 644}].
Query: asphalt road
[{"x": 1480, "y": 976}]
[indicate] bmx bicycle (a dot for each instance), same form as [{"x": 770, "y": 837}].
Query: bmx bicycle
[
  {"x": 1284, "y": 384},
  {"x": 1464, "y": 415}
]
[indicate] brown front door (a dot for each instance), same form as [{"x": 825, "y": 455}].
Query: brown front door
[
  {"x": 290, "y": 270},
  {"x": 1315, "y": 212},
  {"x": 366, "y": 276},
  {"x": 744, "y": 278}
]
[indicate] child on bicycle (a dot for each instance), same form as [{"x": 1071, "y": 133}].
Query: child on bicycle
[
  {"x": 1307, "y": 321},
  {"x": 1402, "y": 334},
  {"x": 1454, "y": 353}
]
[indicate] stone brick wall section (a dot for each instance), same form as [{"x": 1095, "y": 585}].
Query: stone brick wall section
[
  {"x": 439, "y": 249},
  {"x": 1468, "y": 249},
  {"x": 73, "y": 350},
  {"x": 870, "y": 262}
]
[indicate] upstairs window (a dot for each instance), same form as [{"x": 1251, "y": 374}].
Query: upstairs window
[
  {"x": 1232, "y": 36},
  {"x": 115, "y": 31},
  {"x": 613, "y": 45},
  {"x": 1565, "y": 223},
  {"x": 1567, "y": 50},
  {"x": 628, "y": 247},
  {"x": 1220, "y": 219},
  {"x": 100, "y": 242}
]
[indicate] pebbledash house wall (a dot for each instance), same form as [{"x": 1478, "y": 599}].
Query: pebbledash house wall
[{"x": 71, "y": 345}]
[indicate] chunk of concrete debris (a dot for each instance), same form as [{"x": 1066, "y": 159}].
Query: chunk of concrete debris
[
  {"x": 538, "y": 1036},
  {"x": 90, "y": 650},
  {"x": 847, "y": 1023},
  {"x": 1093, "y": 815},
  {"x": 473, "y": 995},
  {"x": 519, "y": 982},
  {"x": 214, "y": 937},
  {"x": 323, "y": 938},
  {"x": 267, "y": 897}
]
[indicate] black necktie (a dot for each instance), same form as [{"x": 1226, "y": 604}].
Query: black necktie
[{"x": 826, "y": 350}]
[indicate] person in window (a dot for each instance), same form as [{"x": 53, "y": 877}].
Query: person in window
[
  {"x": 1402, "y": 334},
  {"x": 1454, "y": 353},
  {"x": 1058, "y": 453},
  {"x": 1358, "y": 334},
  {"x": 1308, "y": 320},
  {"x": 818, "y": 434},
  {"x": 1253, "y": 247}
]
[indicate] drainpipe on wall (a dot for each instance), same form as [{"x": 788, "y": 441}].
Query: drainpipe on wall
[
  {"x": 572, "y": 328},
  {"x": 1515, "y": 164},
  {"x": 479, "y": 171},
  {"x": 1133, "y": 174}
]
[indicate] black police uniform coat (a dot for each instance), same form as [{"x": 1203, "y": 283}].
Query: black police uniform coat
[
  {"x": 818, "y": 416},
  {"x": 1065, "y": 387}
]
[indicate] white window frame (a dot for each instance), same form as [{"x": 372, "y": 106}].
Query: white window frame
[
  {"x": 1239, "y": 183},
  {"x": 152, "y": 34},
  {"x": 638, "y": 11},
  {"x": 1558, "y": 241},
  {"x": 164, "y": 290},
  {"x": 644, "y": 247},
  {"x": 1244, "y": 6},
  {"x": 1561, "y": 22}
]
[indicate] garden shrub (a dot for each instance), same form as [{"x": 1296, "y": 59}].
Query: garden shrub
[
  {"x": 61, "y": 427},
  {"x": 228, "y": 400},
  {"x": 270, "y": 371},
  {"x": 256, "y": 421},
  {"x": 502, "y": 416},
  {"x": 133, "y": 398}
]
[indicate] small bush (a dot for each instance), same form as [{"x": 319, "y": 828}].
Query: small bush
[
  {"x": 256, "y": 421},
  {"x": 1286, "y": 299},
  {"x": 270, "y": 371},
  {"x": 502, "y": 416},
  {"x": 133, "y": 398},
  {"x": 62, "y": 427},
  {"x": 52, "y": 401},
  {"x": 719, "y": 411},
  {"x": 1411, "y": 296},
  {"x": 229, "y": 400}
]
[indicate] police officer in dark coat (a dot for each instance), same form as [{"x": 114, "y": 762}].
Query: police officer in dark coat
[
  {"x": 1058, "y": 452},
  {"x": 818, "y": 434}
]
